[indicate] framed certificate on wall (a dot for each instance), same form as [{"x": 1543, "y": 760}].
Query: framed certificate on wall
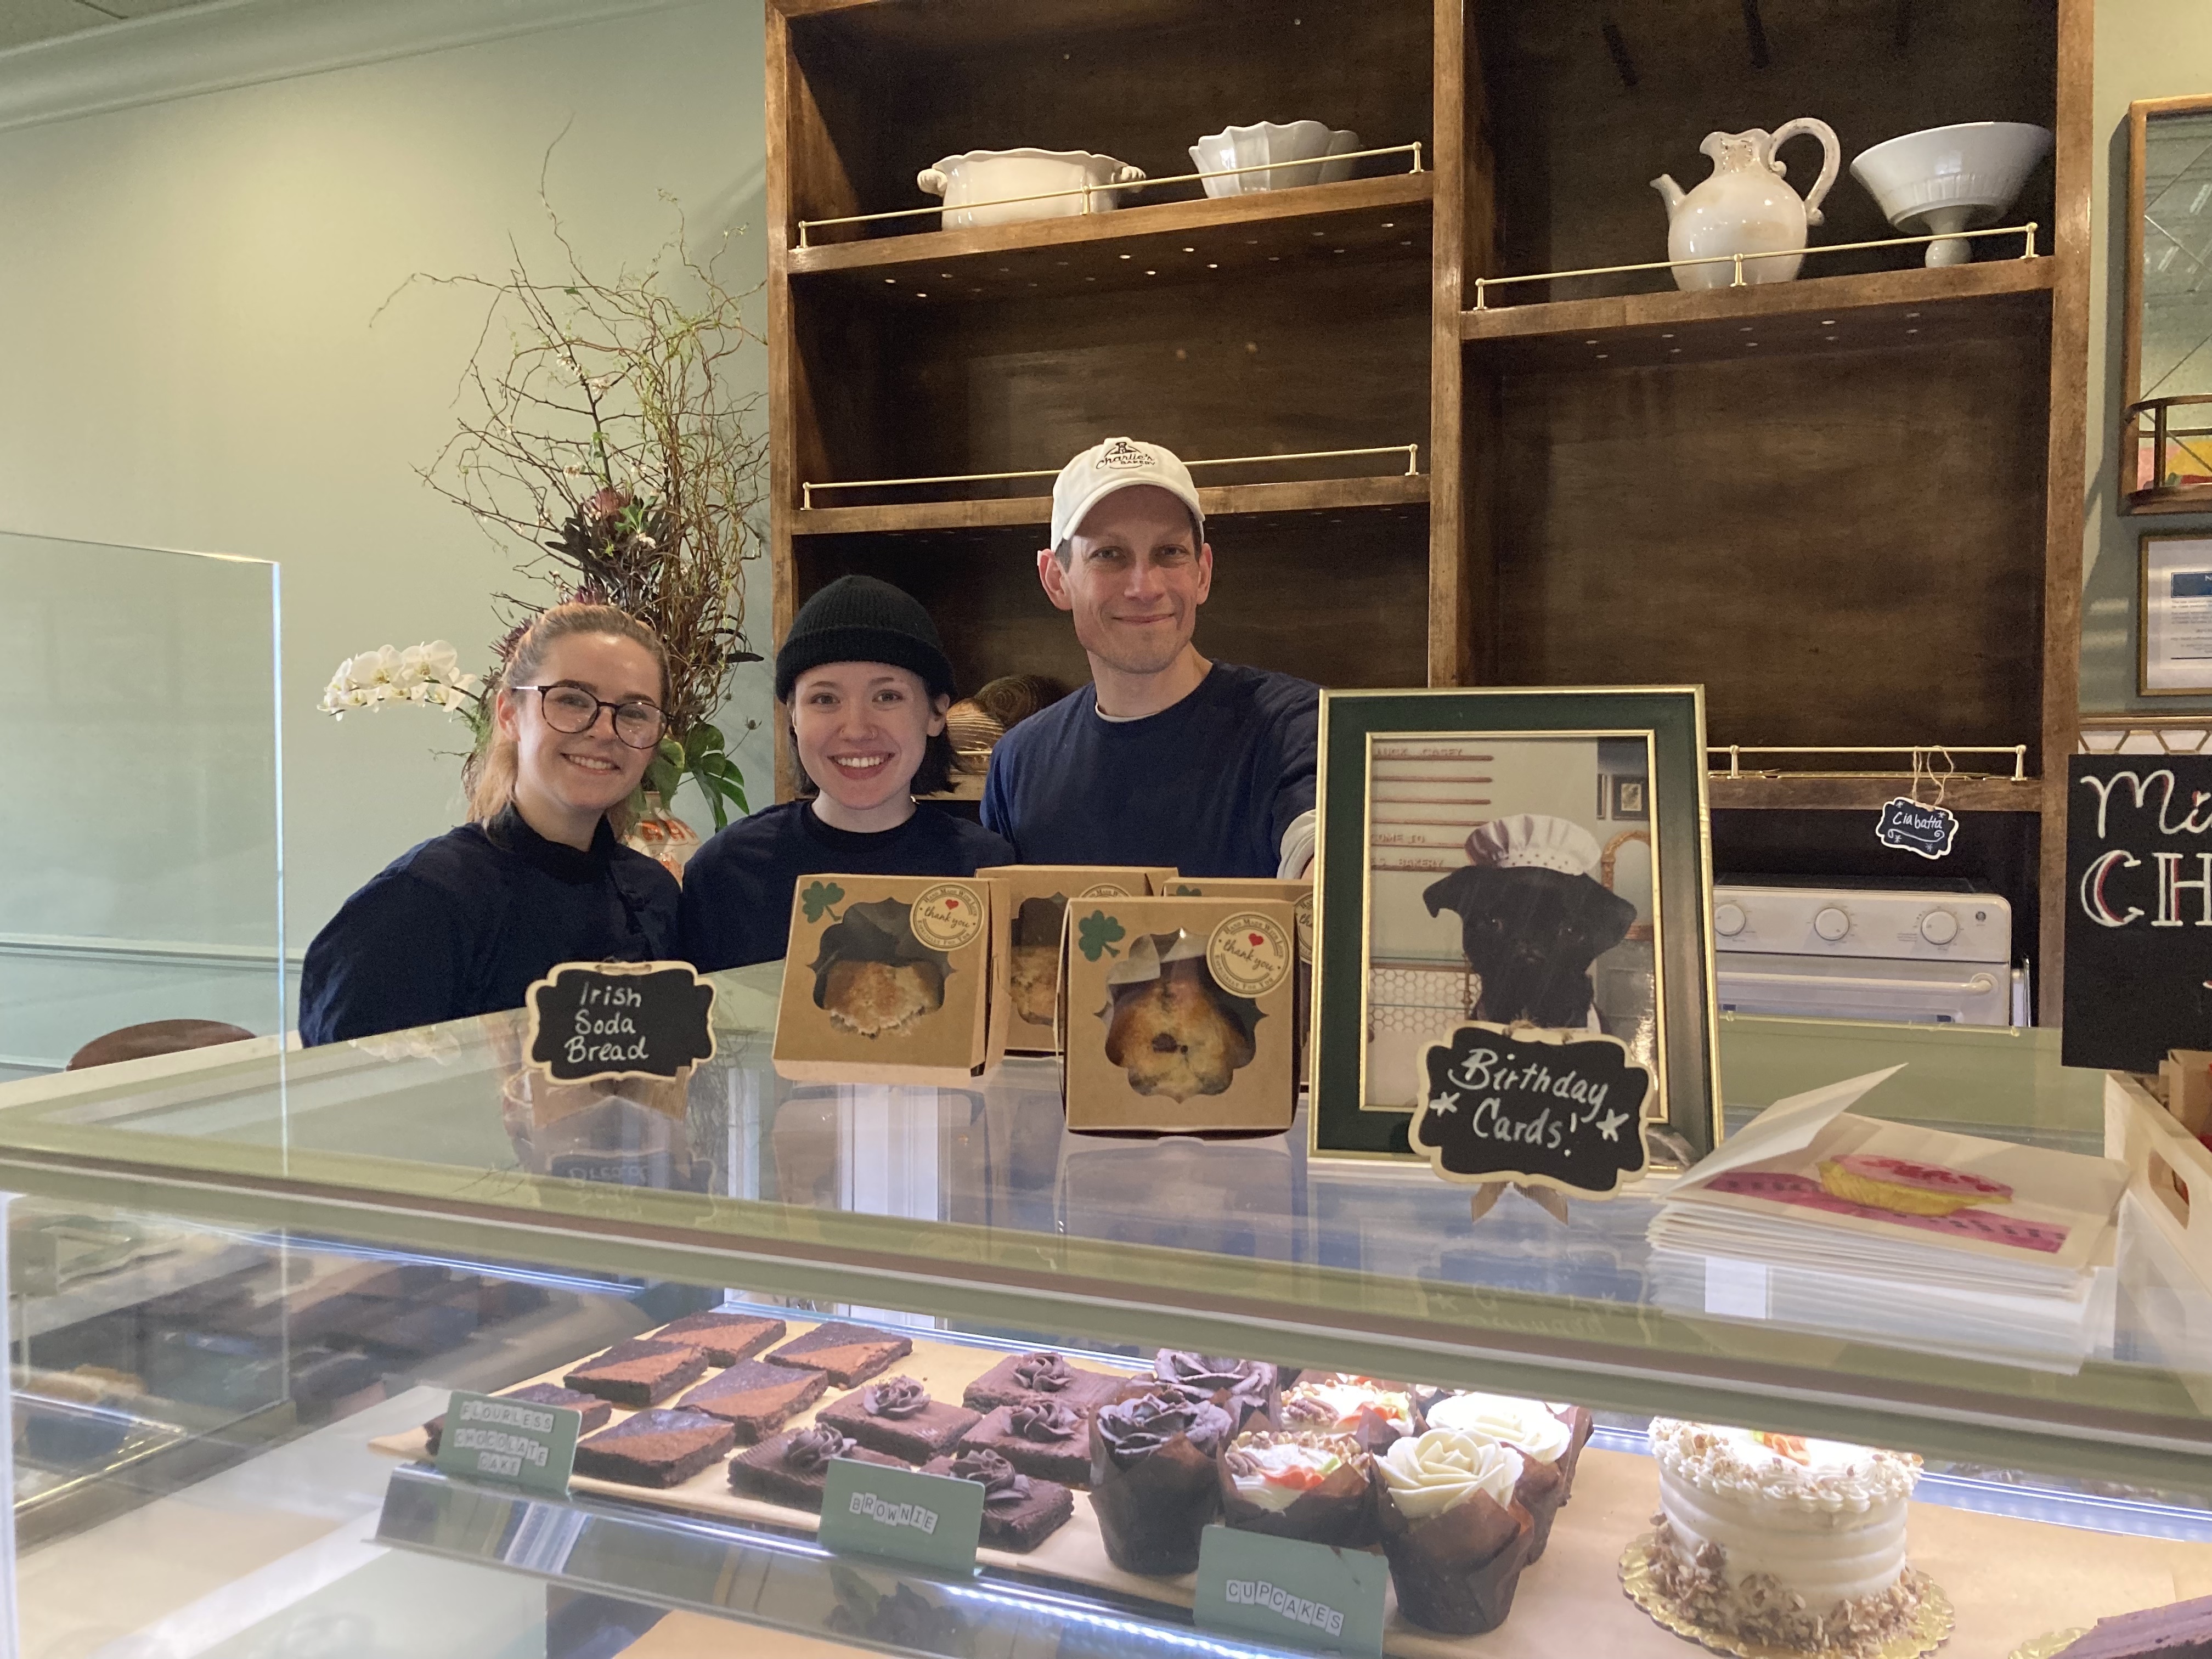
[{"x": 2173, "y": 656}]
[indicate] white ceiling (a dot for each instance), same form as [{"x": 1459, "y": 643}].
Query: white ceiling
[{"x": 22, "y": 21}]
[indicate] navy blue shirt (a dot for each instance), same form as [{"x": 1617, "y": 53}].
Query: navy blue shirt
[
  {"x": 464, "y": 924},
  {"x": 738, "y": 888},
  {"x": 1207, "y": 785}
]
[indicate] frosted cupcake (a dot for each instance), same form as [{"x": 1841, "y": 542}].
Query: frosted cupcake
[
  {"x": 1544, "y": 1440},
  {"x": 1312, "y": 1486},
  {"x": 1154, "y": 1483},
  {"x": 1373, "y": 1414},
  {"x": 1456, "y": 1539}
]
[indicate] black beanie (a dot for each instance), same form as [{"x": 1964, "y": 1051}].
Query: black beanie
[{"x": 861, "y": 619}]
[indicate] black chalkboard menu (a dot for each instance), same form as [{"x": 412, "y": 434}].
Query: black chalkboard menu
[
  {"x": 1500, "y": 1106},
  {"x": 2138, "y": 909},
  {"x": 611, "y": 1019}
]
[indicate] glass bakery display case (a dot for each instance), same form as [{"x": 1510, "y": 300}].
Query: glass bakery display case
[{"x": 243, "y": 1285}]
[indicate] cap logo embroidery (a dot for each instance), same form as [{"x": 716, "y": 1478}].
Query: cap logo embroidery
[{"x": 1122, "y": 452}]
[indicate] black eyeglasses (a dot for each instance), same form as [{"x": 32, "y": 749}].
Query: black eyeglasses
[{"x": 570, "y": 709}]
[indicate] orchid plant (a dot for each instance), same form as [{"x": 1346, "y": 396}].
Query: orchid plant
[{"x": 429, "y": 674}]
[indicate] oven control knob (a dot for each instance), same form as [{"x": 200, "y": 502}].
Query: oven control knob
[
  {"x": 1831, "y": 924},
  {"x": 1728, "y": 921},
  {"x": 1939, "y": 928}
]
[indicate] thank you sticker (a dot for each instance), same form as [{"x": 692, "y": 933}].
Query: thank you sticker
[
  {"x": 932, "y": 1520},
  {"x": 947, "y": 916},
  {"x": 1912, "y": 828},
  {"x": 516, "y": 1443},
  {"x": 1103, "y": 889},
  {"x": 1248, "y": 955},
  {"x": 1291, "y": 1593},
  {"x": 612, "y": 1019},
  {"x": 1563, "y": 1109}
]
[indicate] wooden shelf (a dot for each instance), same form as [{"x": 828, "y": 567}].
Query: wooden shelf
[
  {"x": 2164, "y": 499},
  {"x": 1920, "y": 307},
  {"x": 1132, "y": 248},
  {"x": 1302, "y": 496},
  {"x": 1853, "y": 794}
]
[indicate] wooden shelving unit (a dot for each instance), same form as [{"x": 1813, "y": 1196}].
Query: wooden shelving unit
[{"x": 1848, "y": 505}]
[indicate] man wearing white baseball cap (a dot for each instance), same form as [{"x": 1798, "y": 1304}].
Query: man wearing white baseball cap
[{"x": 1164, "y": 757}]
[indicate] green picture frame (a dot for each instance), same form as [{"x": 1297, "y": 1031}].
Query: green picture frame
[{"x": 1476, "y": 743}]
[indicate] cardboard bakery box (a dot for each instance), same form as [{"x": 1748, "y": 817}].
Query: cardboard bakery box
[
  {"x": 887, "y": 979},
  {"x": 1300, "y": 895},
  {"x": 1026, "y": 959},
  {"x": 1178, "y": 1015}
]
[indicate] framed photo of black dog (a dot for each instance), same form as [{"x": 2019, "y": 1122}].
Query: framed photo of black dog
[{"x": 1537, "y": 857}]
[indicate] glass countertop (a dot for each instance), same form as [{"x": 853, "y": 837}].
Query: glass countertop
[{"x": 975, "y": 1207}]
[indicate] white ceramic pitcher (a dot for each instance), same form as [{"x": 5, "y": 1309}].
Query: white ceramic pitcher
[{"x": 1744, "y": 208}]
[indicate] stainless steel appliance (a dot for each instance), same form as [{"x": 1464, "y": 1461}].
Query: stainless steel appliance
[{"x": 1928, "y": 953}]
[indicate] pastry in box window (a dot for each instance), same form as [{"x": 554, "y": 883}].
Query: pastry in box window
[
  {"x": 1172, "y": 1029},
  {"x": 873, "y": 976}
]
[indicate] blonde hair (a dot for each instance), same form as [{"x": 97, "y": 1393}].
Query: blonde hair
[{"x": 489, "y": 775}]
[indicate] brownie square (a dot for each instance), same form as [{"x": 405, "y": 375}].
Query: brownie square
[
  {"x": 766, "y": 1471},
  {"x": 657, "y": 1448},
  {"x": 726, "y": 1338},
  {"x": 638, "y": 1373},
  {"x": 1016, "y": 1522},
  {"x": 1041, "y": 1374},
  {"x": 847, "y": 1354},
  {"x": 1035, "y": 1446},
  {"x": 755, "y": 1398},
  {"x": 886, "y": 1417},
  {"x": 595, "y": 1410}
]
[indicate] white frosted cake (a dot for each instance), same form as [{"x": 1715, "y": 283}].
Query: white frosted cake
[{"x": 1791, "y": 1542}]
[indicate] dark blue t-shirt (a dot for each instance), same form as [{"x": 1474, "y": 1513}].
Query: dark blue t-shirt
[
  {"x": 464, "y": 923},
  {"x": 1207, "y": 785},
  {"x": 738, "y": 888}
]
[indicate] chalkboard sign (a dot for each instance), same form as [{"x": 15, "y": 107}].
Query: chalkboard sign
[
  {"x": 2138, "y": 909},
  {"x": 1500, "y": 1106},
  {"x": 1911, "y": 828},
  {"x": 614, "y": 1019}
]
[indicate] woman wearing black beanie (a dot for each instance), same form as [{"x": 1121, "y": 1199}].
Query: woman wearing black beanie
[{"x": 866, "y": 683}]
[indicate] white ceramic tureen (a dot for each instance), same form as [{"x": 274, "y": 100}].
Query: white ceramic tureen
[
  {"x": 983, "y": 187},
  {"x": 1308, "y": 143}
]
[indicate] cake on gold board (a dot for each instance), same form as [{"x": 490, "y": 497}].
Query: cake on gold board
[{"x": 1777, "y": 1545}]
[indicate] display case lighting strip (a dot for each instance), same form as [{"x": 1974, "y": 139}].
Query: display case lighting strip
[
  {"x": 2027, "y": 232},
  {"x": 1920, "y": 754},
  {"x": 1087, "y": 192},
  {"x": 1411, "y": 452}
]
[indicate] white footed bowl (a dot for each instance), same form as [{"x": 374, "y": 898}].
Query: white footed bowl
[
  {"x": 1306, "y": 144},
  {"x": 1950, "y": 178},
  {"x": 980, "y": 187}
]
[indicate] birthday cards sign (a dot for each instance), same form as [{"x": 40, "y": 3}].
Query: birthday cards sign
[{"x": 1557, "y": 1109}]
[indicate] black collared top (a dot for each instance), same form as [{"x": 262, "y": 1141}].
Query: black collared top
[{"x": 464, "y": 924}]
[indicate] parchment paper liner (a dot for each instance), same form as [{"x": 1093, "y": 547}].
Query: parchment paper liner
[
  {"x": 1456, "y": 1572},
  {"x": 1151, "y": 1513},
  {"x": 1340, "y": 1511}
]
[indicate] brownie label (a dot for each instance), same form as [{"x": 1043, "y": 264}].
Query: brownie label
[
  {"x": 1291, "y": 1593},
  {"x": 947, "y": 916},
  {"x": 1250, "y": 954},
  {"x": 516, "y": 1443},
  {"x": 1561, "y": 1109},
  {"x": 618, "y": 1019},
  {"x": 931, "y": 1520}
]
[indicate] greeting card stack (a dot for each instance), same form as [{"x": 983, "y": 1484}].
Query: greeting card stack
[{"x": 1907, "y": 1234}]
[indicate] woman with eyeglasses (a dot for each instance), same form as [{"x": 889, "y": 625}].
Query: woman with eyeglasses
[{"x": 463, "y": 923}]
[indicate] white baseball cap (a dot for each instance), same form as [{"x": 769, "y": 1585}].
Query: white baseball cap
[{"x": 1118, "y": 463}]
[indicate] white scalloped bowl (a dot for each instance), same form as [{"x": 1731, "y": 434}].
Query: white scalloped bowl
[
  {"x": 1306, "y": 146},
  {"x": 982, "y": 187},
  {"x": 1950, "y": 178}
]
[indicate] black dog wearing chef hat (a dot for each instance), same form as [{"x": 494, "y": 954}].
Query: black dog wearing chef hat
[{"x": 1531, "y": 922}]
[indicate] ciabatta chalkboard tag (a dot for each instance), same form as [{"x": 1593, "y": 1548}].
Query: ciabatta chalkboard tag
[
  {"x": 596, "y": 1020},
  {"x": 1546, "y": 1108},
  {"x": 1908, "y": 825}
]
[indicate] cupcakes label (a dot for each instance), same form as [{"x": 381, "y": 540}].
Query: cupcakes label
[
  {"x": 948, "y": 915},
  {"x": 1291, "y": 1593},
  {"x": 1250, "y": 954}
]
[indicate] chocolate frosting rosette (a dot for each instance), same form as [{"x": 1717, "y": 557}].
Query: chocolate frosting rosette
[
  {"x": 1154, "y": 1485},
  {"x": 1287, "y": 1485},
  {"x": 1456, "y": 1539},
  {"x": 895, "y": 1397},
  {"x": 1373, "y": 1414},
  {"x": 1544, "y": 1439},
  {"x": 1241, "y": 1387}
]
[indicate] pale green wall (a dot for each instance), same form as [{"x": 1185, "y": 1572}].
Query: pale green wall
[
  {"x": 2145, "y": 48},
  {"x": 188, "y": 285}
]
